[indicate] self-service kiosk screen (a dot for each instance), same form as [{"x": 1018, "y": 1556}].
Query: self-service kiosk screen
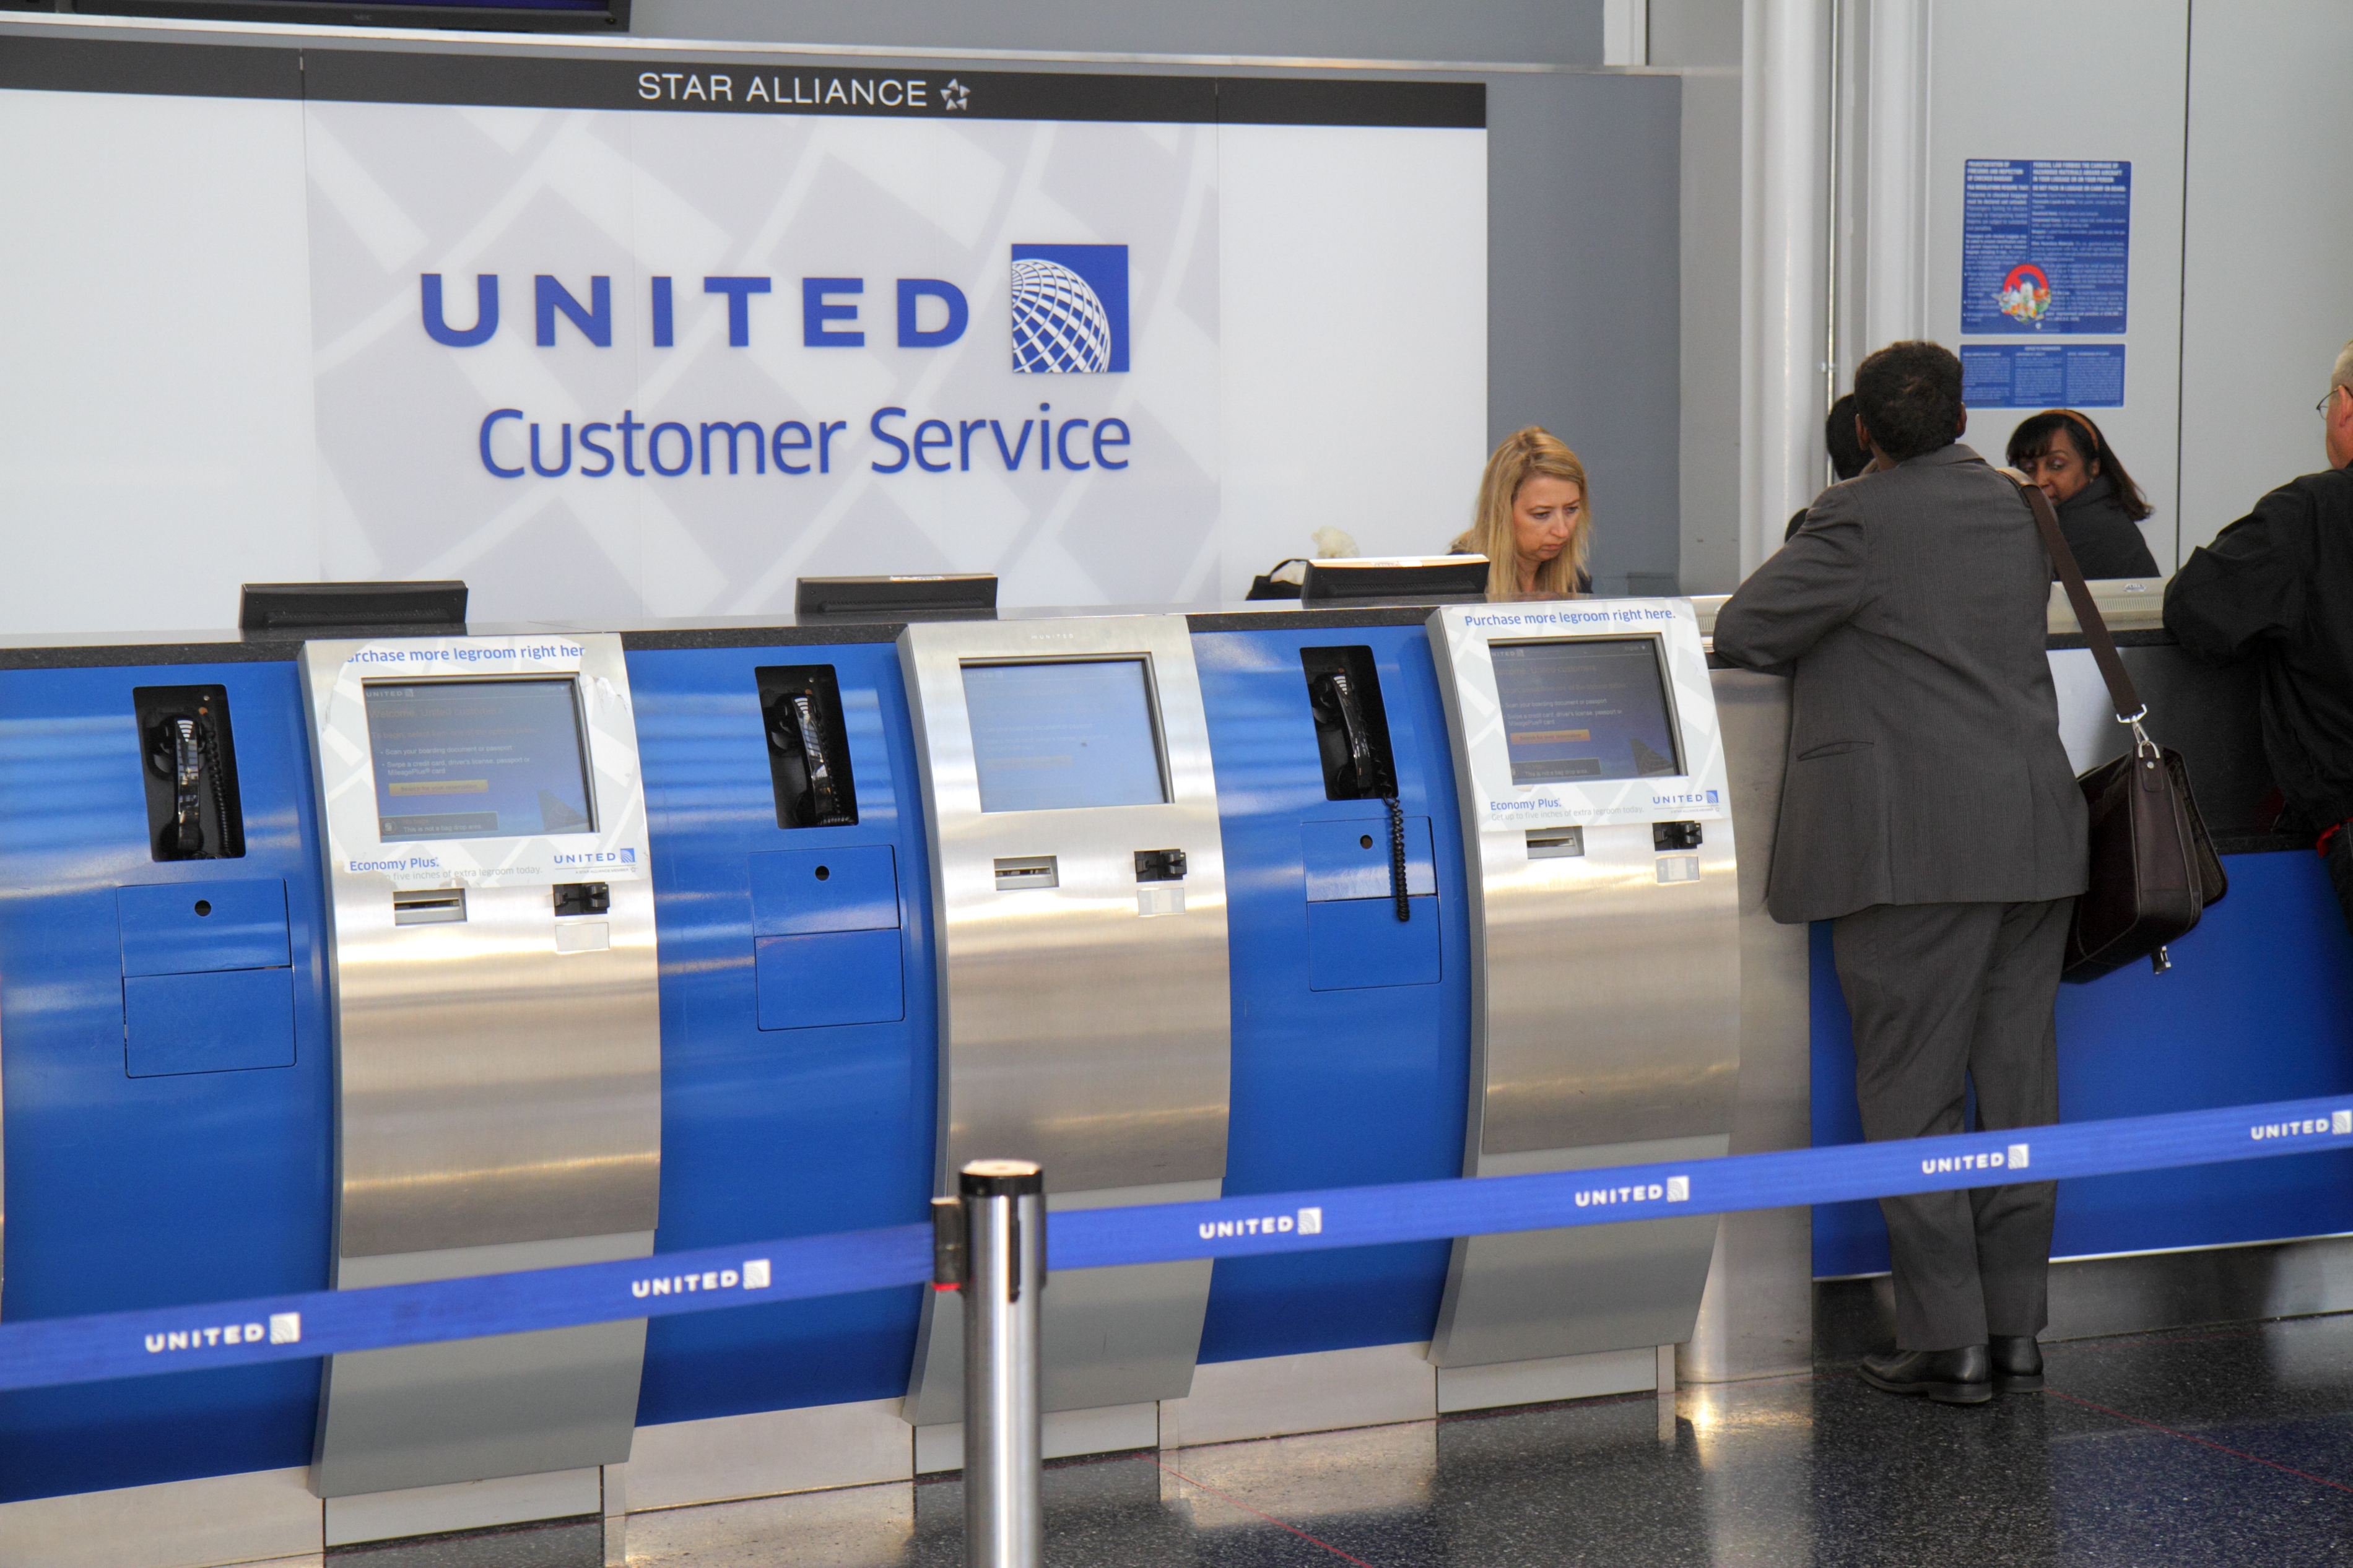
[
  {"x": 1595, "y": 708},
  {"x": 478, "y": 759},
  {"x": 1045, "y": 735}
]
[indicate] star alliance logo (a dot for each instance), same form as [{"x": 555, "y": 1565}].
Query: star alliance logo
[{"x": 955, "y": 96}]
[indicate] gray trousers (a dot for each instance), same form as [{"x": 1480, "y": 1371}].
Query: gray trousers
[{"x": 1940, "y": 993}]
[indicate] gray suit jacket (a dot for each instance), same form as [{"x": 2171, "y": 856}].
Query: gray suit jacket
[{"x": 1925, "y": 761}]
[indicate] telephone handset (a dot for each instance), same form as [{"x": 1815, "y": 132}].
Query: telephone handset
[
  {"x": 806, "y": 758},
  {"x": 1340, "y": 705},
  {"x": 192, "y": 798},
  {"x": 187, "y": 780}
]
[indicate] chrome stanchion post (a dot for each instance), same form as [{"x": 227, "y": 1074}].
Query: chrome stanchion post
[{"x": 994, "y": 1250}]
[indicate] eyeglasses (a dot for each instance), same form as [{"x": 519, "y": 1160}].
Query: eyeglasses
[{"x": 2321, "y": 407}]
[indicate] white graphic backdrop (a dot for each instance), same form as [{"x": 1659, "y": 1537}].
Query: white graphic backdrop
[
  {"x": 218, "y": 372},
  {"x": 400, "y": 190}
]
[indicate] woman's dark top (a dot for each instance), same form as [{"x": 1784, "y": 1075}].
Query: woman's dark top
[
  {"x": 1461, "y": 545},
  {"x": 2107, "y": 543}
]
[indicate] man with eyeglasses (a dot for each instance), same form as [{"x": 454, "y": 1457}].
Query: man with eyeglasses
[{"x": 2277, "y": 585}]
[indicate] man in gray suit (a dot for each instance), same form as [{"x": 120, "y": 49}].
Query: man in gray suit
[{"x": 1931, "y": 815}]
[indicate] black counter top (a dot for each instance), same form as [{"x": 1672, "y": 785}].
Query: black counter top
[{"x": 83, "y": 650}]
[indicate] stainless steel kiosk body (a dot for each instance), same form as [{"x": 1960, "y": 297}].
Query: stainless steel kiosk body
[
  {"x": 1605, "y": 957},
  {"x": 498, "y": 1058},
  {"x": 1078, "y": 884}
]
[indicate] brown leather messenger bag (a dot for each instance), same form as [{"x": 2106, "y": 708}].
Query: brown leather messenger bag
[{"x": 2154, "y": 869}]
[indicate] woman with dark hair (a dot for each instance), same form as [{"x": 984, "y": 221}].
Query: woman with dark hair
[
  {"x": 2099, "y": 506},
  {"x": 1848, "y": 456}
]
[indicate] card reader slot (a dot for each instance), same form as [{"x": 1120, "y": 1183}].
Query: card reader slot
[
  {"x": 1547, "y": 843},
  {"x": 427, "y": 906},
  {"x": 1020, "y": 873}
]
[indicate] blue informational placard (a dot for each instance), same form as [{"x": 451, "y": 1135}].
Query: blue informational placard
[
  {"x": 2046, "y": 245},
  {"x": 2043, "y": 375}
]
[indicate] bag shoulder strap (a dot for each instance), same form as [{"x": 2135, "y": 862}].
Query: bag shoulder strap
[{"x": 2121, "y": 691}]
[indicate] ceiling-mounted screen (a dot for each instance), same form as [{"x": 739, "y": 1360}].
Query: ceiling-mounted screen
[
  {"x": 1049, "y": 735},
  {"x": 1584, "y": 709},
  {"x": 478, "y": 759},
  {"x": 496, "y": 16}
]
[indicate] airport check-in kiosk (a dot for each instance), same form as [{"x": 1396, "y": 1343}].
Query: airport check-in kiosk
[
  {"x": 1605, "y": 958},
  {"x": 497, "y": 1049},
  {"x": 1077, "y": 882}
]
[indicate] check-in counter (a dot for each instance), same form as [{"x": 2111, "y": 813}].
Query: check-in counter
[
  {"x": 1079, "y": 890},
  {"x": 490, "y": 981},
  {"x": 826, "y": 910},
  {"x": 1603, "y": 872},
  {"x": 2254, "y": 1009}
]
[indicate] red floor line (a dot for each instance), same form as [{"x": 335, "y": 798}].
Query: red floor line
[
  {"x": 1246, "y": 1507},
  {"x": 2209, "y": 1442}
]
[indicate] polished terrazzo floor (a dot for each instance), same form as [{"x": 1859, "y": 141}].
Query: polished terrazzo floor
[{"x": 2220, "y": 1446}]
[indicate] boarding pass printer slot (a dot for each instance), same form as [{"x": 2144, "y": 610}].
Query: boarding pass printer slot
[
  {"x": 428, "y": 906},
  {"x": 1547, "y": 843},
  {"x": 1026, "y": 873}
]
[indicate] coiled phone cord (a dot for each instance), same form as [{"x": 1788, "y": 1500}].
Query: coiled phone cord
[
  {"x": 209, "y": 744},
  {"x": 1396, "y": 860}
]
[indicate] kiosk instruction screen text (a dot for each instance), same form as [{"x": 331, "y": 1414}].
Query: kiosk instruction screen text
[
  {"x": 476, "y": 759},
  {"x": 1073, "y": 734},
  {"x": 1592, "y": 707}
]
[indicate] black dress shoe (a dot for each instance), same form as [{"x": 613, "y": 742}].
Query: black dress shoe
[
  {"x": 2017, "y": 1362},
  {"x": 1962, "y": 1376}
]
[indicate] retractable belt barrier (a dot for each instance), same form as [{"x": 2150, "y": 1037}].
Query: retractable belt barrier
[{"x": 331, "y": 1322}]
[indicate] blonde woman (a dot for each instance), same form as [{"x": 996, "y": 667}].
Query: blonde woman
[{"x": 1531, "y": 522}]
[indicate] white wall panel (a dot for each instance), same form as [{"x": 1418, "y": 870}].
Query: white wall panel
[
  {"x": 155, "y": 430},
  {"x": 1354, "y": 328},
  {"x": 2268, "y": 253},
  {"x": 162, "y": 421},
  {"x": 2081, "y": 78}
]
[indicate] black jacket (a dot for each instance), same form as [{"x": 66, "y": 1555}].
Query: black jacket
[
  {"x": 2277, "y": 584},
  {"x": 2107, "y": 543}
]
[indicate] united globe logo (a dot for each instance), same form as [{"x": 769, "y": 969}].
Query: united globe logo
[
  {"x": 1069, "y": 308},
  {"x": 1060, "y": 326}
]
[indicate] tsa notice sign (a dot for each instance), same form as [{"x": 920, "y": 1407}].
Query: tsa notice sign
[
  {"x": 2038, "y": 375},
  {"x": 2046, "y": 245}
]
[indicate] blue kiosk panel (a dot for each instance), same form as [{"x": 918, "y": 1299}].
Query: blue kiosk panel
[
  {"x": 166, "y": 1088},
  {"x": 800, "y": 1027},
  {"x": 2258, "y": 1006},
  {"x": 1351, "y": 1032}
]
